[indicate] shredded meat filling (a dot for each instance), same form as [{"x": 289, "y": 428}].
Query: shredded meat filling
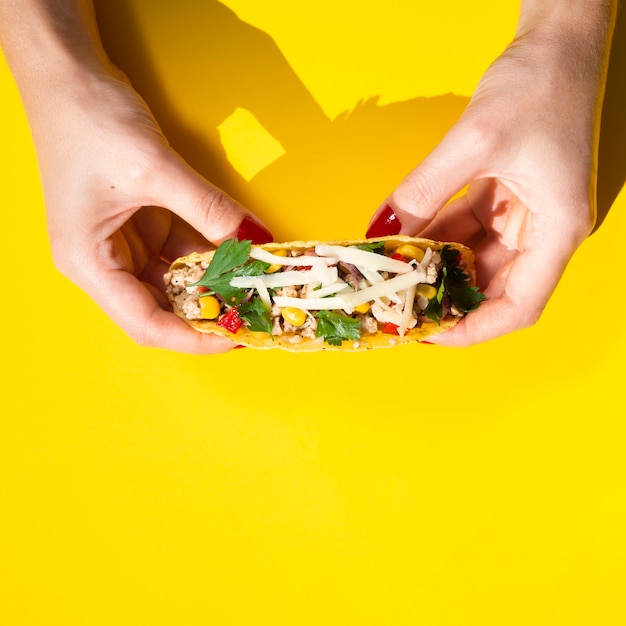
[{"x": 380, "y": 312}]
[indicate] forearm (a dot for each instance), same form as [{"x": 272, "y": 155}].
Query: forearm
[
  {"x": 564, "y": 47},
  {"x": 49, "y": 45},
  {"x": 581, "y": 25},
  {"x": 583, "y": 14}
]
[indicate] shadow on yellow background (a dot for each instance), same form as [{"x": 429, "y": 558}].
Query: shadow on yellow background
[
  {"x": 612, "y": 156},
  {"x": 334, "y": 173}
]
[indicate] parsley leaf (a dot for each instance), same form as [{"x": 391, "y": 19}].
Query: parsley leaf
[
  {"x": 231, "y": 259},
  {"x": 256, "y": 315},
  {"x": 454, "y": 282},
  {"x": 230, "y": 254},
  {"x": 337, "y": 327},
  {"x": 375, "y": 246},
  {"x": 465, "y": 297}
]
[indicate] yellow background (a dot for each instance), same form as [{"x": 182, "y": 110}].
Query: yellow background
[{"x": 412, "y": 486}]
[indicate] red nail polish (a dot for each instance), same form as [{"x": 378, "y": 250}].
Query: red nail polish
[
  {"x": 249, "y": 229},
  {"x": 387, "y": 223}
]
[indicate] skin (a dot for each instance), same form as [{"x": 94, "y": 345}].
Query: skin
[
  {"x": 122, "y": 204},
  {"x": 525, "y": 154}
]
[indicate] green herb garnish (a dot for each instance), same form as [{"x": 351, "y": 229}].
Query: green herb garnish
[
  {"x": 376, "y": 246},
  {"x": 231, "y": 259},
  {"x": 455, "y": 283},
  {"x": 337, "y": 327},
  {"x": 256, "y": 315}
]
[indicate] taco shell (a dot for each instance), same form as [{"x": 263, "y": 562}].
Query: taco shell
[{"x": 377, "y": 327}]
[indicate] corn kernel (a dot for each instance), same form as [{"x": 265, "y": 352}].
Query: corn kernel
[
  {"x": 428, "y": 291},
  {"x": 274, "y": 267},
  {"x": 410, "y": 251},
  {"x": 209, "y": 307},
  {"x": 293, "y": 316},
  {"x": 362, "y": 308}
]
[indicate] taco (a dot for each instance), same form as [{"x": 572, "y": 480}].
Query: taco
[{"x": 342, "y": 295}]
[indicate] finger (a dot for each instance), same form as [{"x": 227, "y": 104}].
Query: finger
[
  {"x": 154, "y": 232},
  {"x": 210, "y": 211},
  {"x": 182, "y": 240},
  {"x": 422, "y": 194},
  {"x": 516, "y": 297},
  {"x": 132, "y": 306},
  {"x": 491, "y": 260},
  {"x": 152, "y": 274},
  {"x": 455, "y": 222}
]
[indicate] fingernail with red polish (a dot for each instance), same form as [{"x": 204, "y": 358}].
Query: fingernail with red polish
[
  {"x": 387, "y": 223},
  {"x": 249, "y": 229}
]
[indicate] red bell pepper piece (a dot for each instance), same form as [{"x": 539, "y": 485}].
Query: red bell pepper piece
[
  {"x": 231, "y": 321},
  {"x": 391, "y": 329}
]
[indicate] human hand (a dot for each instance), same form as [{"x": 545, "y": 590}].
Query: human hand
[
  {"x": 121, "y": 205},
  {"x": 525, "y": 150}
]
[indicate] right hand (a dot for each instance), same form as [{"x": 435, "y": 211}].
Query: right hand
[{"x": 525, "y": 150}]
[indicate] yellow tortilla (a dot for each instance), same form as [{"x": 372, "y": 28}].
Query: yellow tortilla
[{"x": 263, "y": 341}]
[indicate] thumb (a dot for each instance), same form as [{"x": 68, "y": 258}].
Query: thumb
[
  {"x": 209, "y": 210},
  {"x": 424, "y": 192}
]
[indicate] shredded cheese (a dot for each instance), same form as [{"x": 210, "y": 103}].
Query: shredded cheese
[
  {"x": 386, "y": 314},
  {"x": 302, "y": 260},
  {"x": 322, "y": 292},
  {"x": 326, "y": 291},
  {"x": 315, "y": 304},
  {"x": 371, "y": 276},
  {"x": 363, "y": 258},
  {"x": 389, "y": 288},
  {"x": 317, "y": 274},
  {"x": 348, "y": 302},
  {"x": 428, "y": 255},
  {"x": 264, "y": 294},
  {"x": 407, "y": 313}
]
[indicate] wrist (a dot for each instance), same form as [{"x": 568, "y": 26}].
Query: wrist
[
  {"x": 51, "y": 47},
  {"x": 570, "y": 39},
  {"x": 591, "y": 20}
]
